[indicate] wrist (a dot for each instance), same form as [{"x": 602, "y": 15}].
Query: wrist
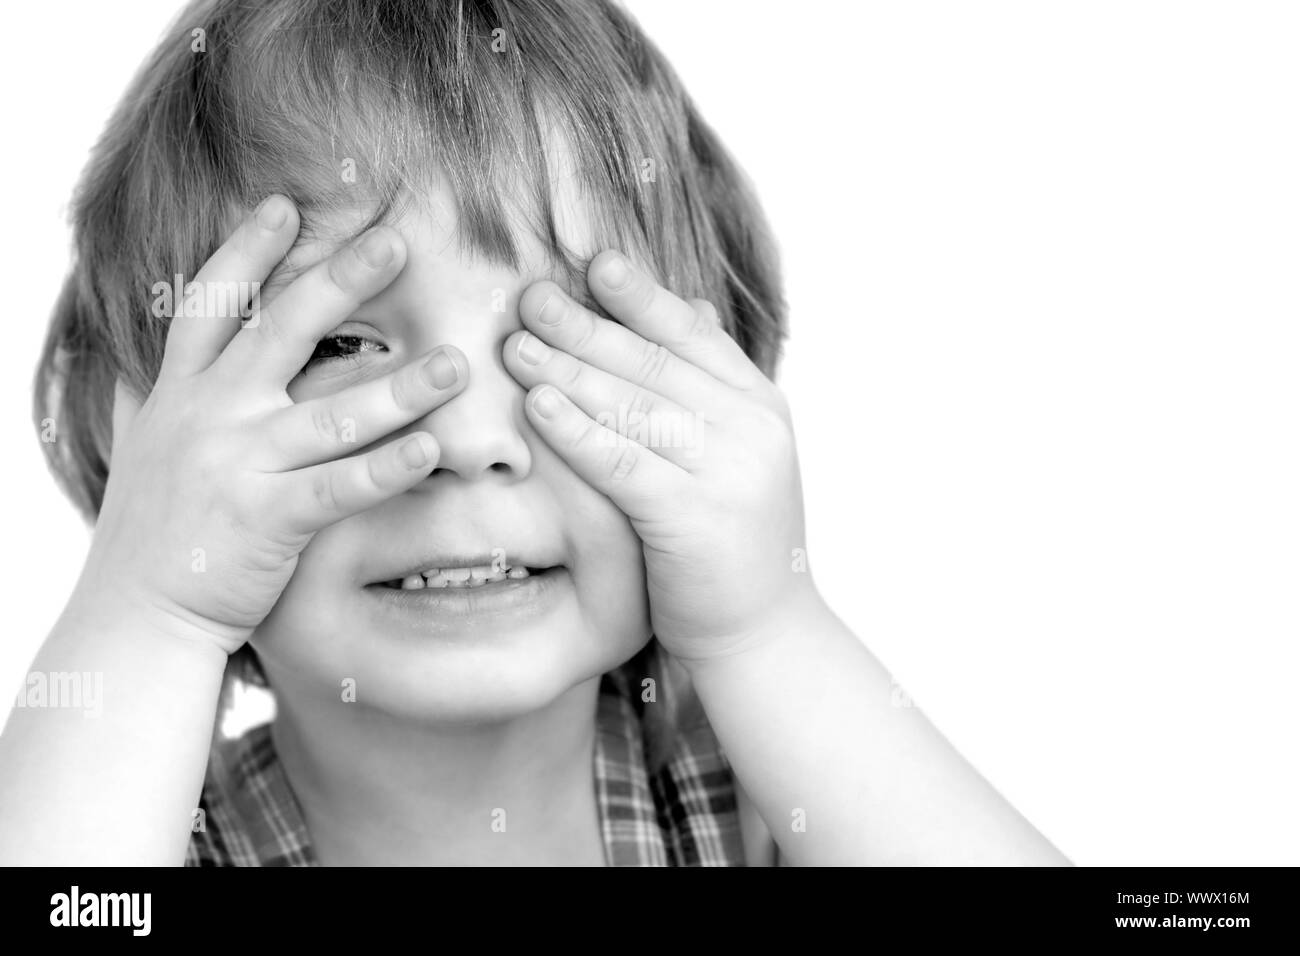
[
  {"x": 101, "y": 607},
  {"x": 782, "y": 624}
]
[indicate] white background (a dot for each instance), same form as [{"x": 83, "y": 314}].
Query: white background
[{"x": 1042, "y": 266}]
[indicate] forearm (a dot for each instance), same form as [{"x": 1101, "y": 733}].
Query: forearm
[
  {"x": 118, "y": 786},
  {"x": 841, "y": 773}
]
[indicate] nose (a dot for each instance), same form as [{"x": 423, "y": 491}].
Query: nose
[{"x": 480, "y": 430}]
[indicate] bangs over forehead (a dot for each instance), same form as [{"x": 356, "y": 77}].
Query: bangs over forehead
[{"x": 343, "y": 103}]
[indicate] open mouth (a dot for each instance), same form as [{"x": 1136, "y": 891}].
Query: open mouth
[
  {"x": 472, "y": 578},
  {"x": 469, "y": 593}
]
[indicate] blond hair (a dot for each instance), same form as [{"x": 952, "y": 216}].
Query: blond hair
[{"x": 243, "y": 99}]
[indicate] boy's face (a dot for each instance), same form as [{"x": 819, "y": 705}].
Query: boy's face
[{"x": 498, "y": 496}]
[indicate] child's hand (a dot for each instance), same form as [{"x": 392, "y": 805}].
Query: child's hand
[
  {"x": 665, "y": 414},
  {"x": 219, "y": 480}
]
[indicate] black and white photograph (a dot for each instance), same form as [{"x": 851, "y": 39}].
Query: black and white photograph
[{"x": 583, "y": 433}]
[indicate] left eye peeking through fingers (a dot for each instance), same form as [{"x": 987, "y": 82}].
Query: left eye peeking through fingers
[{"x": 343, "y": 346}]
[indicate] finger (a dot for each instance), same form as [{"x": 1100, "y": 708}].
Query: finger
[
  {"x": 630, "y": 475},
  {"x": 689, "y": 331},
  {"x": 125, "y": 408},
  {"x": 227, "y": 287},
  {"x": 312, "y": 498},
  {"x": 629, "y": 410},
  {"x": 277, "y": 343},
  {"x": 556, "y": 318},
  {"x": 324, "y": 428}
]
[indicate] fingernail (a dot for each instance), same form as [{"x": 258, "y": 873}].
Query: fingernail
[
  {"x": 272, "y": 212},
  {"x": 532, "y": 350},
  {"x": 551, "y": 311},
  {"x": 616, "y": 274},
  {"x": 547, "y": 401},
  {"x": 416, "y": 452},
  {"x": 440, "y": 370},
  {"x": 376, "y": 249}
]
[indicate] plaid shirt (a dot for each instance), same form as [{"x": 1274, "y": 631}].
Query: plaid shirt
[{"x": 683, "y": 815}]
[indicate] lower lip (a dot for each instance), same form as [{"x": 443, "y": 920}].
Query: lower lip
[{"x": 492, "y": 605}]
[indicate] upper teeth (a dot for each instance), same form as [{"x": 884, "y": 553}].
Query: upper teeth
[{"x": 474, "y": 577}]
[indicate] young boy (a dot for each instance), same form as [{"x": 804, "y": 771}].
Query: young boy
[{"x": 464, "y": 442}]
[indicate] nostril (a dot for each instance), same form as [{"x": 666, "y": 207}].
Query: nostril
[{"x": 485, "y": 446}]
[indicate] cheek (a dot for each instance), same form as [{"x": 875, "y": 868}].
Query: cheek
[
  {"x": 609, "y": 575},
  {"x": 303, "y": 625}
]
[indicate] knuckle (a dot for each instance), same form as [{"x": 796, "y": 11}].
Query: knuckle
[
  {"x": 243, "y": 241},
  {"x": 328, "y": 422},
  {"x": 641, "y": 404},
  {"x": 376, "y": 472},
  {"x": 341, "y": 269},
  {"x": 323, "y": 491},
  {"x": 640, "y": 295},
  {"x": 621, "y": 462},
  {"x": 406, "y": 388},
  {"x": 650, "y": 365},
  {"x": 268, "y": 329},
  {"x": 582, "y": 331},
  {"x": 584, "y": 435},
  {"x": 572, "y": 377},
  {"x": 581, "y": 435},
  {"x": 704, "y": 321}
]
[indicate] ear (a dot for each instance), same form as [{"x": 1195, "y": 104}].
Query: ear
[{"x": 125, "y": 408}]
